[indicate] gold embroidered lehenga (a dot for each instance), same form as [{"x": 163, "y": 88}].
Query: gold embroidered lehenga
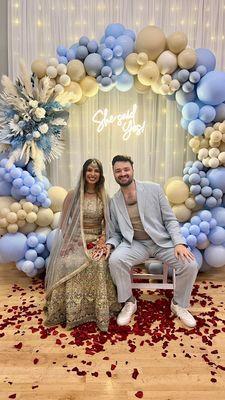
[{"x": 79, "y": 289}]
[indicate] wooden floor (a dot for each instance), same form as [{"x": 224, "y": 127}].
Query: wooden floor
[{"x": 36, "y": 363}]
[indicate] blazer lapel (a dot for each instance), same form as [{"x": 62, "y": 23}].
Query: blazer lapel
[
  {"x": 122, "y": 207},
  {"x": 141, "y": 199}
]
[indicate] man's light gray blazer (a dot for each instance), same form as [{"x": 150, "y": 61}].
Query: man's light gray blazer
[{"x": 156, "y": 215}]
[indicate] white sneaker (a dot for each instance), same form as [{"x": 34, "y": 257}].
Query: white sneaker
[
  {"x": 126, "y": 313},
  {"x": 184, "y": 315}
]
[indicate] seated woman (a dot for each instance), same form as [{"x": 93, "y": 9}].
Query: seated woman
[{"x": 79, "y": 287}]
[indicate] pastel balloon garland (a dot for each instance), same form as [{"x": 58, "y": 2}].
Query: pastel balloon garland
[{"x": 33, "y": 113}]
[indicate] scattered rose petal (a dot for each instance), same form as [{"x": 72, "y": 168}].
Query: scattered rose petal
[{"x": 139, "y": 394}]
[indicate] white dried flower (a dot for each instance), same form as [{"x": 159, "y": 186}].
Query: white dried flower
[
  {"x": 43, "y": 128},
  {"x": 40, "y": 112},
  {"x": 36, "y": 134},
  {"x": 33, "y": 103}
]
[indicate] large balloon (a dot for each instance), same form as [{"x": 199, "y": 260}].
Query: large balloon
[
  {"x": 93, "y": 64},
  {"x": 152, "y": 41},
  {"x": 148, "y": 73},
  {"x": 13, "y": 247},
  {"x": 75, "y": 70},
  {"x": 167, "y": 62},
  {"x": 126, "y": 43},
  {"x": 177, "y": 42},
  {"x": 124, "y": 82},
  {"x": 177, "y": 191},
  {"x": 89, "y": 86},
  {"x": 211, "y": 88},
  {"x": 215, "y": 256},
  {"x": 205, "y": 57},
  {"x": 219, "y": 214},
  {"x": 217, "y": 178}
]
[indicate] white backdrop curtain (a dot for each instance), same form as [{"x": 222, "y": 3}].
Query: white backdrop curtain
[{"x": 37, "y": 27}]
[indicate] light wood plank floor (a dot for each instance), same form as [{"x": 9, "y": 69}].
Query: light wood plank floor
[{"x": 181, "y": 366}]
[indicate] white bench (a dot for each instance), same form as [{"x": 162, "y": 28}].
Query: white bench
[{"x": 164, "y": 284}]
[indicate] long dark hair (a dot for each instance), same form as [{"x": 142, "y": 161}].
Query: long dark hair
[{"x": 100, "y": 183}]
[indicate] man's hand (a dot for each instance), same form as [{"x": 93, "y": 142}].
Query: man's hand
[
  {"x": 108, "y": 251},
  {"x": 182, "y": 253}
]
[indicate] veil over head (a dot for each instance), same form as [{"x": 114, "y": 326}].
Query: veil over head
[{"x": 69, "y": 253}]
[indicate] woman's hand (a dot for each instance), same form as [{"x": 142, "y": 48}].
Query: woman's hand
[{"x": 183, "y": 253}]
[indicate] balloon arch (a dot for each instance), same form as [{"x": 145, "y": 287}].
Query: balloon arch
[{"x": 34, "y": 110}]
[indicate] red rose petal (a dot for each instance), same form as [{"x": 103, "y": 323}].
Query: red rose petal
[
  {"x": 35, "y": 361},
  {"x": 12, "y": 396},
  {"x": 18, "y": 346},
  {"x": 135, "y": 373},
  {"x": 139, "y": 394}
]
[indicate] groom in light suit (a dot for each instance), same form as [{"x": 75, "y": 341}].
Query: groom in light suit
[{"x": 144, "y": 226}]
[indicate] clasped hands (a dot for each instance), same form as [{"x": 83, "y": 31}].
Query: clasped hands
[{"x": 101, "y": 249}]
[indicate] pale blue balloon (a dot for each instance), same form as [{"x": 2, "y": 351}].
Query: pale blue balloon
[
  {"x": 13, "y": 247},
  {"x": 124, "y": 82},
  {"x": 126, "y": 43},
  {"x": 215, "y": 256},
  {"x": 81, "y": 53},
  {"x": 106, "y": 81},
  {"x": 39, "y": 262},
  {"x": 39, "y": 248},
  {"x": 93, "y": 64},
  {"x": 204, "y": 182},
  {"x": 28, "y": 267},
  {"x": 217, "y": 235},
  {"x": 83, "y": 41},
  {"x": 219, "y": 214},
  {"x": 190, "y": 111},
  {"x": 92, "y": 46},
  {"x": 5, "y": 188},
  {"x": 216, "y": 178},
  {"x": 182, "y": 75},
  {"x": 194, "y": 77},
  {"x": 206, "y": 191},
  {"x": 204, "y": 226},
  {"x": 24, "y": 191},
  {"x": 50, "y": 238},
  {"x": 16, "y": 193},
  {"x": 205, "y": 57},
  {"x": 30, "y": 255},
  {"x": 188, "y": 87},
  {"x": 62, "y": 60},
  {"x": 194, "y": 179},
  {"x": 196, "y": 127},
  {"x": 117, "y": 51},
  {"x": 106, "y": 71},
  {"x": 191, "y": 241},
  {"x": 114, "y": 30},
  {"x": 70, "y": 54},
  {"x": 211, "y": 88},
  {"x": 129, "y": 32},
  {"x": 116, "y": 64},
  {"x": 194, "y": 230},
  {"x": 198, "y": 164},
  {"x": 200, "y": 200},
  {"x": 207, "y": 114},
  {"x": 107, "y": 54},
  {"x": 220, "y": 113},
  {"x": 195, "y": 220},
  {"x": 110, "y": 42},
  {"x": 205, "y": 215},
  {"x": 32, "y": 241},
  {"x": 61, "y": 51},
  {"x": 201, "y": 238},
  {"x": 195, "y": 190},
  {"x": 202, "y": 70},
  {"x": 16, "y": 173},
  {"x": 211, "y": 202},
  {"x": 183, "y": 98}
]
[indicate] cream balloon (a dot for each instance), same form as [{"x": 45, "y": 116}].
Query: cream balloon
[
  {"x": 181, "y": 212},
  {"x": 21, "y": 215},
  {"x": 176, "y": 42},
  {"x": 152, "y": 41},
  {"x": 142, "y": 58},
  {"x": 4, "y": 212},
  {"x": 53, "y": 61},
  {"x": 89, "y": 86},
  {"x": 73, "y": 91},
  {"x": 6, "y": 201},
  {"x": 131, "y": 63},
  {"x": 31, "y": 217},
  {"x": 44, "y": 217},
  {"x": 28, "y": 206},
  {"x": 75, "y": 70},
  {"x": 38, "y": 67},
  {"x": 167, "y": 62},
  {"x": 190, "y": 203},
  {"x": 57, "y": 196},
  {"x": 139, "y": 87},
  {"x": 3, "y": 222},
  {"x": 61, "y": 69},
  {"x": 187, "y": 58},
  {"x": 11, "y": 217},
  {"x": 56, "y": 220},
  {"x": 15, "y": 207},
  {"x": 12, "y": 228},
  {"x": 64, "y": 80},
  {"x": 148, "y": 73},
  {"x": 177, "y": 192},
  {"x": 51, "y": 71}
]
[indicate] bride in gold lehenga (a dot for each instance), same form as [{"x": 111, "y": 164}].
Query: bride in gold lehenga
[{"x": 79, "y": 287}]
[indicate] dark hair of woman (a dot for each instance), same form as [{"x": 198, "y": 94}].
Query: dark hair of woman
[{"x": 98, "y": 164}]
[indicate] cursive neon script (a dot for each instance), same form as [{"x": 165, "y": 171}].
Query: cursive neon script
[{"x": 126, "y": 121}]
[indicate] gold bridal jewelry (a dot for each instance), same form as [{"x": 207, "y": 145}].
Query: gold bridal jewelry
[{"x": 94, "y": 163}]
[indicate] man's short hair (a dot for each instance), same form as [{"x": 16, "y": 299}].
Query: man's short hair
[{"x": 123, "y": 159}]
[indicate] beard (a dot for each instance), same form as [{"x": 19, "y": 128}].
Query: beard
[{"x": 126, "y": 183}]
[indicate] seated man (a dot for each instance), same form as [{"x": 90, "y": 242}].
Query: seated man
[{"x": 144, "y": 226}]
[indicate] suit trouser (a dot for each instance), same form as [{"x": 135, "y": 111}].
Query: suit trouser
[{"x": 125, "y": 256}]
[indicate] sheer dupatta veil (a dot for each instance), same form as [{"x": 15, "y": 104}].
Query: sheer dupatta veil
[{"x": 69, "y": 251}]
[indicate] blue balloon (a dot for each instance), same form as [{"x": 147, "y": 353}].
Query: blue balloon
[
  {"x": 30, "y": 255},
  {"x": 39, "y": 262},
  {"x": 82, "y": 53},
  {"x": 32, "y": 241},
  {"x": 126, "y": 43},
  {"x": 205, "y": 57},
  {"x": 186, "y": 178},
  {"x": 110, "y": 42},
  {"x": 41, "y": 237},
  {"x": 183, "y": 98},
  {"x": 211, "y": 202},
  {"x": 62, "y": 60},
  {"x": 129, "y": 32},
  {"x": 194, "y": 179},
  {"x": 182, "y": 75},
  {"x": 200, "y": 200},
  {"x": 50, "y": 238},
  {"x": 83, "y": 41},
  {"x": 201, "y": 238},
  {"x": 190, "y": 111},
  {"x": 196, "y": 127},
  {"x": 114, "y": 30},
  {"x": 106, "y": 81},
  {"x": 116, "y": 64},
  {"x": 16, "y": 173},
  {"x": 184, "y": 231},
  {"x": 216, "y": 178},
  {"x": 202, "y": 70},
  {"x": 194, "y": 230},
  {"x": 194, "y": 77},
  {"x": 191, "y": 241},
  {"x": 198, "y": 164},
  {"x": 31, "y": 198},
  {"x": 16, "y": 193},
  {"x": 220, "y": 113},
  {"x": 205, "y": 215},
  {"x": 212, "y": 223},
  {"x": 61, "y": 51},
  {"x": 195, "y": 190},
  {"x": 215, "y": 255},
  {"x": 188, "y": 87},
  {"x": 13, "y": 247},
  {"x": 204, "y": 226},
  {"x": 5, "y": 188},
  {"x": 46, "y": 203},
  {"x": 28, "y": 267},
  {"x": 204, "y": 182},
  {"x": 106, "y": 71},
  {"x": 219, "y": 214},
  {"x": 92, "y": 46},
  {"x": 117, "y": 51},
  {"x": 24, "y": 191},
  {"x": 217, "y": 235},
  {"x": 207, "y": 114},
  {"x": 93, "y": 64},
  {"x": 206, "y": 191},
  {"x": 124, "y": 82},
  {"x": 107, "y": 54},
  {"x": 70, "y": 54},
  {"x": 195, "y": 220},
  {"x": 211, "y": 88}
]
